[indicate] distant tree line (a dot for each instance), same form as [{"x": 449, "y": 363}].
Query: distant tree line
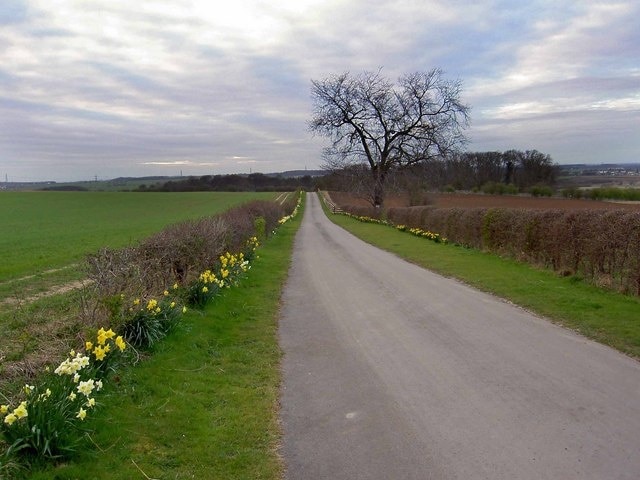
[
  {"x": 254, "y": 182},
  {"x": 469, "y": 170},
  {"x": 511, "y": 171}
]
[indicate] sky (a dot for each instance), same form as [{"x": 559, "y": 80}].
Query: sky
[{"x": 109, "y": 88}]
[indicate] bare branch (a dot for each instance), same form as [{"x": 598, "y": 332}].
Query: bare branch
[{"x": 385, "y": 125}]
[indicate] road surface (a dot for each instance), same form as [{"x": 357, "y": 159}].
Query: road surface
[{"x": 393, "y": 372}]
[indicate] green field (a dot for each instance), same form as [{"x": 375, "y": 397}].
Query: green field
[{"x": 49, "y": 230}]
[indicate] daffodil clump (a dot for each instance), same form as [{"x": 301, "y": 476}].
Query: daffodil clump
[
  {"x": 227, "y": 272},
  {"x": 293, "y": 214},
  {"x": 251, "y": 246},
  {"x": 47, "y": 423},
  {"x": 365, "y": 219},
  {"x": 435, "y": 237},
  {"x": 148, "y": 321}
]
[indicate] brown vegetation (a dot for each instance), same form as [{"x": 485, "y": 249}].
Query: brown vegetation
[{"x": 474, "y": 200}]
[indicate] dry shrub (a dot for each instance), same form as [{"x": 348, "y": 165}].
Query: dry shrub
[
  {"x": 363, "y": 211},
  {"x": 178, "y": 253},
  {"x": 114, "y": 270},
  {"x": 602, "y": 246},
  {"x": 241, "y": 221}
]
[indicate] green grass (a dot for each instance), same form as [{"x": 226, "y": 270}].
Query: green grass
[
  {"x": 605, "y": 316},
  {"x": 48, "y": 230},
  {"x": 204, "y": 405}
]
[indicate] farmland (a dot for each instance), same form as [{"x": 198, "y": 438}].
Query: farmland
[
  {"x": 48, "y": 230},
  {"x": 473, "y": 200}
]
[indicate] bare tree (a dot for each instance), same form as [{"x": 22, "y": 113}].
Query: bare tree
[{"x": 387, "y": 126}]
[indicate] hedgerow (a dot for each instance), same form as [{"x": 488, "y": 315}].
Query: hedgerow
[{"x": 601, "y": 246}]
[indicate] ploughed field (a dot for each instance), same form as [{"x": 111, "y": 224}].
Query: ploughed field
[{"x": 473, "y": 200}]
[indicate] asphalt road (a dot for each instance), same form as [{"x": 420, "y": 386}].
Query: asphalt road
[{"x": 393, "y": 372}]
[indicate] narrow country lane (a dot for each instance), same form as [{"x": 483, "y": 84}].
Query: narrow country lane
[{"x": 393, "y": 372}]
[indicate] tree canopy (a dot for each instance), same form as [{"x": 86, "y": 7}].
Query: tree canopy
[{"x": 384, "y": 125}]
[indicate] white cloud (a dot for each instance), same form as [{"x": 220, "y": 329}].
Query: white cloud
[{"x": 143, "y": 86}]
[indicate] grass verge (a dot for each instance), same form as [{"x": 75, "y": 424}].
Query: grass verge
[
  {"x": 204, "y": 405},
  {"x": 607, "y": 317}
]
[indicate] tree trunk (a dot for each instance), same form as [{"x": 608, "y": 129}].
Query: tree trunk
[{"x": 379, "y": 177}]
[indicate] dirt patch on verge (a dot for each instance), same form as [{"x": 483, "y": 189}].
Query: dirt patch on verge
[{"x": 57, "y": 290}]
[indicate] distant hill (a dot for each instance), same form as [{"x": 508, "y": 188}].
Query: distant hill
[{"x": 299, "y": 173}]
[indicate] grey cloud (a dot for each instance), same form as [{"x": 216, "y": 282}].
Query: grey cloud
[
  {"x": 13, "y": 11},
  {"x": 128, "y": 91}
]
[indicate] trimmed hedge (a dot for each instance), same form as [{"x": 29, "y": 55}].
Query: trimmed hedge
[
  {"x": 602, "y": 246},
  {"x": 181, "y": 252}
]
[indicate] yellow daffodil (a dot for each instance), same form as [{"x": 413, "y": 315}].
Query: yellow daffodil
[
  {"x": 9, "y": 419},
  {"x": 88, "y": 346},
  {"x": 99, "y": 352},
  {"x": 205, "y": 289},
  {"x": 175, "y": 286},
  {"x": 120, "y": 343},
  {"x": 82, "y": 413},
  {"x": 166, "y": 293},
  {"x": 184, "y": 309},
  {"x": 136, "y": 301},
  {"x": 102, "y": 337},
  {"x": 21, "y": 411},
  {"x": 172, "y": 304},
  {"x": 4, "y": 409},
  {"x": 152, "y": 304}
]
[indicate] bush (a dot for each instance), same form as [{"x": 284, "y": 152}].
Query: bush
[
  {"x": 497, "y": 188},
  {"x": 541, "y": 191},
  {"x": 572, "y": 192}
]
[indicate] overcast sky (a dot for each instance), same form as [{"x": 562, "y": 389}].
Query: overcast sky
[{"x": 109, "y": 88}]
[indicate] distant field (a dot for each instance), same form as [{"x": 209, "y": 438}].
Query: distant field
[
  {"x": 447, "y": 200},
  {"x": 47, "y": 230},
  {"x": 472, "y": 200}
]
